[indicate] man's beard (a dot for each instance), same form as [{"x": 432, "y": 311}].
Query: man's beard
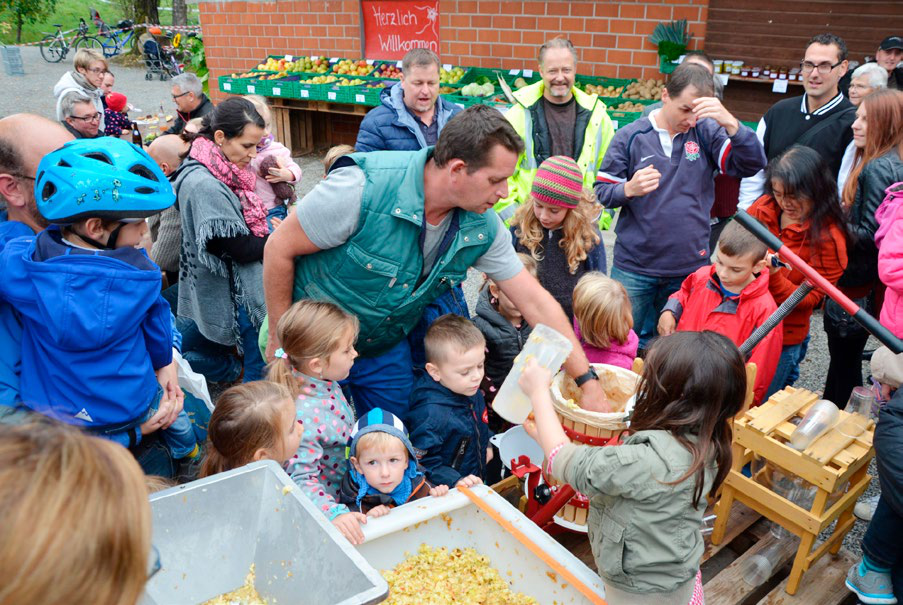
[{"x": 38, "y": 218}]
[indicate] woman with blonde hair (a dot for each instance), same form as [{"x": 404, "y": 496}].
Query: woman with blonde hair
[
  {"x": 76, "y": 519},
  {"x": 878, "y": 164},
  {"x": 89, "y": 67},
  {"x": 557, "y": 226}
]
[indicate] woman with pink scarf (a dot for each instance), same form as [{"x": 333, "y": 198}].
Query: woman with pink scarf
[{"x": 224, "y": 230}]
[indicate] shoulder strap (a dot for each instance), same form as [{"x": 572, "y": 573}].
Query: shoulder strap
[{"x": 808, "y": 136}]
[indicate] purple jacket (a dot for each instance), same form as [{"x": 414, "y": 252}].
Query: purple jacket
[
  {"x": 889, "y": 239},
  {"x": 666, "y": 232},
  {"x": 621, "y": 355}
]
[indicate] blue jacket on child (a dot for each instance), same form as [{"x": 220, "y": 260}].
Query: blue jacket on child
[
  {"x": 449, "y": 432},
  {"x": 95, "y": 328}
]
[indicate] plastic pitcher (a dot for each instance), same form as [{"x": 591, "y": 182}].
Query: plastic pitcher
[
  {"x": 820, "y": 417},
  {"x": 860, "y": 405},
  {"x": 549, "y": 349}
]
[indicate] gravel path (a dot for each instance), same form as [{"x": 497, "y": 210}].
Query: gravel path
[{"x": 33, "y": 93}]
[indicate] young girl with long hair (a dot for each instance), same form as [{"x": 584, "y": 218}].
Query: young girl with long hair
[
  {"x": 800, "y": 207},
  {"x": 557, "y": 226},
  {"x": 317, "y": 352},
  {"x": 647, "y": 495},
  {"x": 603, "y": 320},
  {"x": 877, "y": 164},
  {"x": 251, "y": 421}
]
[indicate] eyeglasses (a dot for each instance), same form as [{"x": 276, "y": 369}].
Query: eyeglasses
[
  {"x": 174, "y": 97},
  {"x": 22, "y": 176},
  {"x": 153, "y": 563},
  {"x": 91, "y": 118},
  {"x": 97, "y": 70},
  {"x": 823, "y": 68}
]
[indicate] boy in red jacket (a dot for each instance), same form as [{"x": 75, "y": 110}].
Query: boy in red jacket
[{"x": 730, "y": 297}]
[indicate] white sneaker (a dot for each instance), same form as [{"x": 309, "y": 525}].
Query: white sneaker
[{"x": 865, "y": 509}]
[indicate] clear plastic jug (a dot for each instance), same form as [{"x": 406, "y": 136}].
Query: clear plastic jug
[
  {"x": 860, "y": 406},
  {"x": 820, "y": 417},
  {"x": 549, "y": 349}
]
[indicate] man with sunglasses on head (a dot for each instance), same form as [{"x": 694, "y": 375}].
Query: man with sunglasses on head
[
  {"x": 821, "y": 118},
  {"x": 79, "y": 115}
]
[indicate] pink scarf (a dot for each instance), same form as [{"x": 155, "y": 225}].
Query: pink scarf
[{"x": 240, "y": 181}]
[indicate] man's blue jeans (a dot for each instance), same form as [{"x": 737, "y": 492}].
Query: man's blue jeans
[
  {"x": 383, "y": 382},
  {"x": 216, "y": 362},
  {"x": 648, "y": 296}
]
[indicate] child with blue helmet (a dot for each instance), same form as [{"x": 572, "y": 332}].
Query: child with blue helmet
[
  {"x": 95, "y": 327},
  {"x": 383, "y": 471}
]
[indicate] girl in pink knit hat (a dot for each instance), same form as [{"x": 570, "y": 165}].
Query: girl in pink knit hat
[{"x": 557, "y": 225}]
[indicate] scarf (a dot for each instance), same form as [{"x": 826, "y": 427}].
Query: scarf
[
  {"x": 82, "y": 81},
  {"x": 399, "y": 495},
  {"x": 241, "y": 181}
]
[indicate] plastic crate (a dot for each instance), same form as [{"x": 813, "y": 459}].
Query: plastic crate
[
  {"x": 370, "y": 95},
  {"x": 341, "y": 94},
  {"x": 462, "y": 101},
  {"x": 602, "y": 81},
  {"x": 209, "y": 533},
  {"x": 286, "y": 87},
  {"x": 239, "y": 86},
  {"x": 612, "y": 102},
  {"x": 622, "y": 118},
  {"x": 509, "y": 75}
]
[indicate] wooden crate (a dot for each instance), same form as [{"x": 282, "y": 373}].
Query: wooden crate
[{"x": 830, "y": 463}]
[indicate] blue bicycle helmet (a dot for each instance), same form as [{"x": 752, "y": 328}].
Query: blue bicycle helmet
[{"x": 104, "y": 178}]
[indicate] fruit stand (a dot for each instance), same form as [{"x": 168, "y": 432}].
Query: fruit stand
[{"x": 301, "y": 88}]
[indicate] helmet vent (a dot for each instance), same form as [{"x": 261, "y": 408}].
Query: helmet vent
[
  {"x": 143, "y": 171},
  {"x": 64, "y": 164},
  {"x": 48, "y": 191},
  {"x": 99, "y": 156},
  {"x": 145, "y": 190}
]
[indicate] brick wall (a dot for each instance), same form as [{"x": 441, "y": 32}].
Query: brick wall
[{"x": 611, "y": 36}]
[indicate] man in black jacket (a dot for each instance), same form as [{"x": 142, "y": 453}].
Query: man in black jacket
[
  {"x": 191, "y": 102},
  {"x": 820, "y": 119},
  {"x": 889, "y": 56}
]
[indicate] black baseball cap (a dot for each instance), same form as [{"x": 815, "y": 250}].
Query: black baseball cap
[{"x": 891, "y": 42}]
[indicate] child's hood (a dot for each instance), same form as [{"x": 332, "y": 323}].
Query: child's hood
[
  {"x": 757, "y": 287},
  {"x": 430, "y": 392},
  {"x": 85, "y": 300},
  {"x": 891, "y": 209}
]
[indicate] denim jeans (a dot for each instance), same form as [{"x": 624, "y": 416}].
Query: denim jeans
[
  {"x": 219, "y": 363},
  {"x": 279, "y": 211},
  {"x": 648, "y": 296},
  {"x": 788, "y": 370},
  {"x": 452, "y": 301},
  {"x": 152, "y": 453},
  {"x": 383, "y": 382}
]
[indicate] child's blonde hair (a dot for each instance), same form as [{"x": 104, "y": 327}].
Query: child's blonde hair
[
  {"x": 377, "y": 440},
  {"x": 309, "y": 329},
  {"x": 451, "y": 333},
  {"x": 580, "y": 232},
  {"x": 245, "y": 419},
  {"x": 602, "y": 309},
  {"x": 263, "y": 108},
  {"x": 335, "y": 153}
]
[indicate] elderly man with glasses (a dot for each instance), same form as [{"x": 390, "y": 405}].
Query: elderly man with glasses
[
  {"x": 821, "y": 118},
  {"x": 190, "y": 100},
  {"x": 80, "y": 116}
]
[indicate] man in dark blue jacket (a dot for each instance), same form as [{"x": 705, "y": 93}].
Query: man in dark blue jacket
[{"x": 412, "y": 113}]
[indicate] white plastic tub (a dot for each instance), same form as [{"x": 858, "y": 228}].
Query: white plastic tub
[
  {"x": 210, "y": 531},
  {"x": 454, "y": 521}
]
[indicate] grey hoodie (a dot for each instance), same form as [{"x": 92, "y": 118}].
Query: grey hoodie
[{"x": 68, "y": 83}]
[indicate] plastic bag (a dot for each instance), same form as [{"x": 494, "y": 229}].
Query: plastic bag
[{"x": 191, "y": 381}]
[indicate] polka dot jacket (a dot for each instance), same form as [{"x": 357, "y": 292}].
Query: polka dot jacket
[{"x": 319, "y": 464}]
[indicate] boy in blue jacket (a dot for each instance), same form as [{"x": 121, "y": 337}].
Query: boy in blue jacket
[
  {"x": 95, "y": 327},
  {"x": 448, "y": 416}
]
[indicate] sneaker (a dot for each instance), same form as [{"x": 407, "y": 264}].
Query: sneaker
[
  {"x": 872, "y": 587},
  {"x": 188, "y": 469},
  {"x": 865, "y": 509}
]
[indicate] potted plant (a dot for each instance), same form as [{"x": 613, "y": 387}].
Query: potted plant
[{"x": 671, "y": 39}]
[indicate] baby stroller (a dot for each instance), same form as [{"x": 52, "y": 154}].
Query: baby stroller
[{"x": 157, "y": 59}]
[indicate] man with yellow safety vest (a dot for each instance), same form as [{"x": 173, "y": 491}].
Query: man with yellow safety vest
[{"x": 556, "y": 118}]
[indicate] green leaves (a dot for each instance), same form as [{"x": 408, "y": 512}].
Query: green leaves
[
  {"x": 198, "y": 62},
  {"x": 27, "y": 11},
  {"x": 671, "y": 38}
]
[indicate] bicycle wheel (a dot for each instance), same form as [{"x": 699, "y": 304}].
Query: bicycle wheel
[
  {"x": 111, "y": 46},
  {"x": 89, "y": 42},
  {"x": 52, "y": 49}
]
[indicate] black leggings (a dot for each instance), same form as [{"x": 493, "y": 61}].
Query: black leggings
[{"x": 846, "y": 342}]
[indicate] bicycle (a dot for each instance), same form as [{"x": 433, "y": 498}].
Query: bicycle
[
  {"x": 55, "y": 47},
  {"x": 112, "y": 43}
]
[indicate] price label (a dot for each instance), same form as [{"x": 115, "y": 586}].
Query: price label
[
  {"x": 289, "y": 58},
  {"x": 398, "y": 64},
  {"x": 528, "y": 73},
  {"x": 724, "y": 78},
  {"x": 369, "y": 61},
  {"x": 227, "y": 86},
  {"x": 277, "y": 92},
  {"x": 447, "y": 67},
  {"x": 251, "y": 89},
  {"x": 614, "y": 124},
  {"x": 513, "y": 72},
  {"x": 313, "y": 58},
  {"x": 779, "y": 86},
  {"x": 460, "y": 105},
  {"x": 334, "y": 60},
  {"x": 304, "y": 93},
  {"x": 331, "y": 96},
  {"x": 359, "y": 99}
]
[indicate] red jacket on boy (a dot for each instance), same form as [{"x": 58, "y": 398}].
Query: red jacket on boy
[{"x": 701, "y": 305}]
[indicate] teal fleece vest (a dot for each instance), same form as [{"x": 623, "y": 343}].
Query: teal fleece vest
[{"x": 375, "y": 274}]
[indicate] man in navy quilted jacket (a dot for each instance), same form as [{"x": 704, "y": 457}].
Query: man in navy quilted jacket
[{"x": 412, "y": 113}]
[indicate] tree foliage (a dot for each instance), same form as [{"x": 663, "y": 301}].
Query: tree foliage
[{"x": 26, "y": 11}]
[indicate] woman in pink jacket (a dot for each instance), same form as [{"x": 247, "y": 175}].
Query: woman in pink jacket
[{"x": 889, "y": 239}]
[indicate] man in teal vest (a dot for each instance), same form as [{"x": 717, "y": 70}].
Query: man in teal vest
[{"x": 387, "y": 232}]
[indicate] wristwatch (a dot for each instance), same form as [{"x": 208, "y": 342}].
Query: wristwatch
[{"x": 584, "y": 378}]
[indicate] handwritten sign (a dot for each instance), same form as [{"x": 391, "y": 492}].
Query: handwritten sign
[{"x": 393, "y": 27}]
